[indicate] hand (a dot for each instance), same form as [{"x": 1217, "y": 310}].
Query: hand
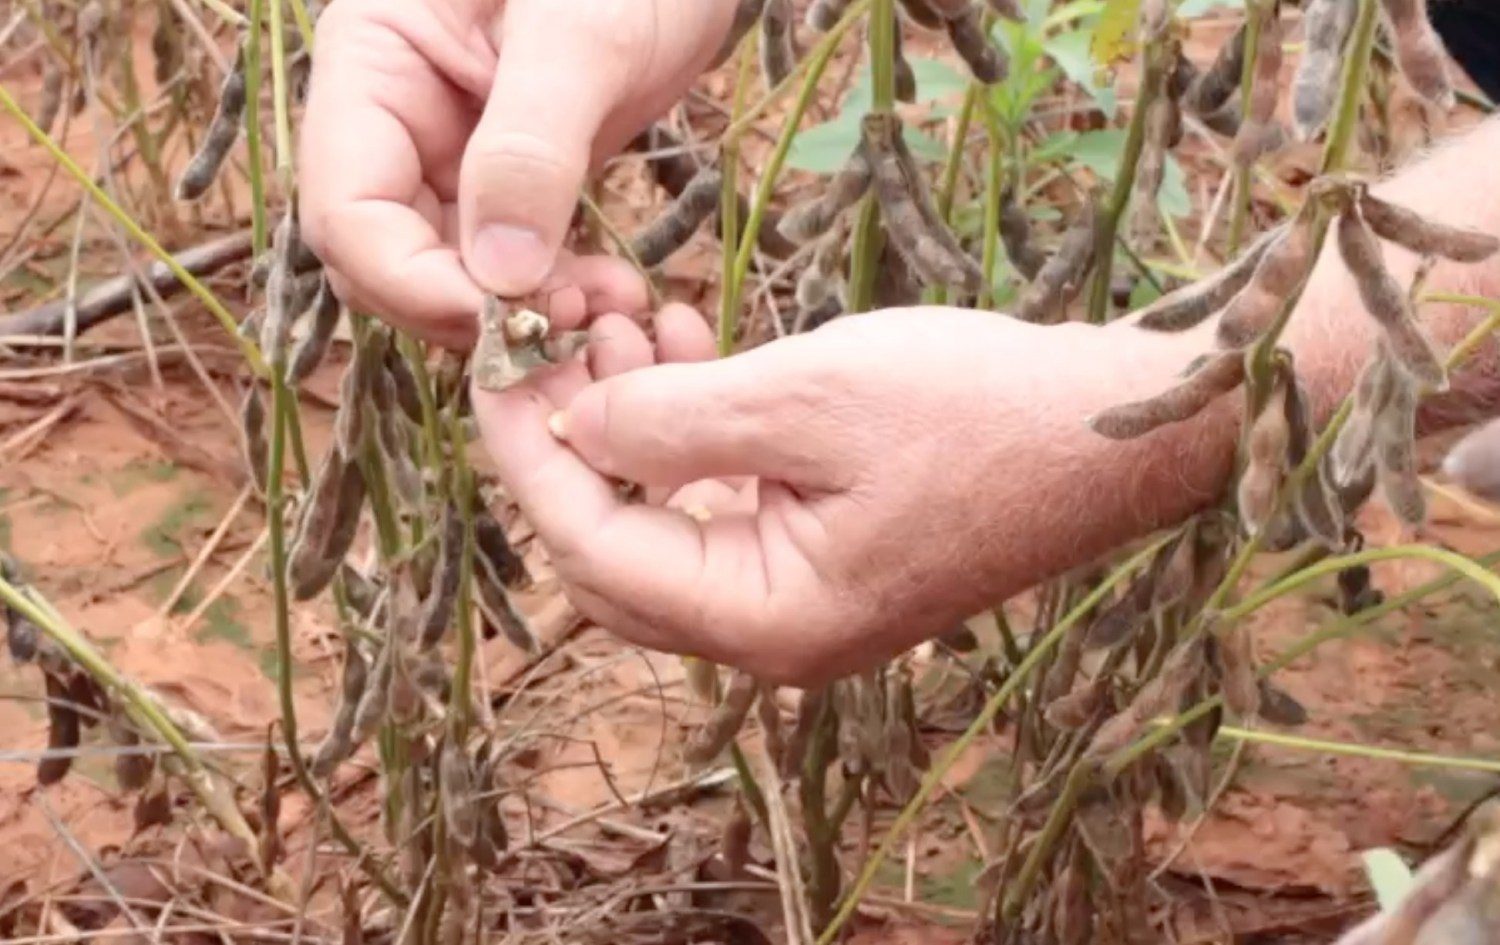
[
  {"x": 910, "y": 468},
  {"x": 445, "y": 141}
]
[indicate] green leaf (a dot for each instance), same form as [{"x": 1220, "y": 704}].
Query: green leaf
[
  {"x": 1114, "y": 34},
  {"x": 1389, "y": 875},
  {"x": 937, "y": 79},
  {"x": 823, "y": 149},
  {"x": 1070, "y": 50},
  {"x": 1099, "y": 151}
]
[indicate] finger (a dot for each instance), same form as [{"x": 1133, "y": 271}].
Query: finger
[
  {"x": 617, "y": 345},
  {"x": 758, "y": 413},
  {"x": 526, "y": 160},
  {"x": 603, "y": 283},
  {"x": 682, "y": 335}
]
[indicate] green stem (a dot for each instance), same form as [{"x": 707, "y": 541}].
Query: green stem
[
  {"x": 1351, "y": 89},
  {"x": 461, "y": 703},
  {"x": 729, "y": 203},
  {"x": 993, "y": 182},
  {"x": 869, "y": 238},
  {"x": 1119, "y": 201},
  {"x": 1482, "y": 331},
  {"x": 252, "y": 127},
  {"x": 280, "y": 98},
  {"x": 1352, "y": 750},
  {"x": 981, "y": 722},
  {"x": 1243, "y": 176},
  {"x": 198, "y": 289},
  {"x": 1058, "y": 818},
  {"x": 304, "y": 23}
]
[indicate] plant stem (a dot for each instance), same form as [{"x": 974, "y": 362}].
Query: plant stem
[
  {"x": 1003, "y": 695},
  {"x": 729, "y": 203},
  {"x": 210, "y": 301},
  {"x": 304, "y": 23},
  {"x": 1356, "y": 67},
  {"x": 1057, "y": 820},
  {"x": 1352, "y": 750},
  {"x": 869, "y": 237},
  {"x": 461, "y": 703},
  {"x": 281, "y": 98},
  {"x": 1152, "y": 78},
  {"x": 252, "y": 127},
  {"x": 994, "y": 180},
  {"x": 1240, "y": 212}
]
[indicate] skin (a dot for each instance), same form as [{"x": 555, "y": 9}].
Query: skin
[{"x": 827, "y": 500}]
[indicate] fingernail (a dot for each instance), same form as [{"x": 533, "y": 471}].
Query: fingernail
[
  {"x": 558, "y": 424},
  {"x": 509, "y": 260}
]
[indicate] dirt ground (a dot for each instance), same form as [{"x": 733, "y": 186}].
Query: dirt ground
[{"x": 121, "y": 490}]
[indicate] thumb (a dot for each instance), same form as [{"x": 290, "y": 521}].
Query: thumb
[
  {"x": 673, "y": 424},
  {"x": 525, "y": 163}
]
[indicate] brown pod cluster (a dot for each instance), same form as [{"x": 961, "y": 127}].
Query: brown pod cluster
[
  {"x": 1385, "y": 300},
  {"x": 1219, "y": 373},
  {"x": 912, "y": 222},
  {"x": 1419, "y": 50},
  {"x": 327, "y": 524},
  {"x": 1316, "y": 84},
  {"x": 725, "y": 721},
  {"x": 229, "y": 115},
  {"x": 1283, "y": 266},
  {"x": 670, "y": 232},
  {"x": 1212, "y": 88},
  {"x": 1258, "y": 132},
  {"x": 1015, "y": 236},
  {"x": 778, "y": 52},
  {"x": 809, "y": 221},
  {"x": 1061, "y": 277},
  {"x": 1192, "y": 304}
]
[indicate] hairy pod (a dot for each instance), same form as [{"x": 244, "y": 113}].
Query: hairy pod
[
  {"x": 1015, "y": 236},
  {"x": 1160, "y": 694},
  {"x": 912, "y": 222},
  {"x": 899, "y": 773},
  {"x": 822, "y": 280},
  {"x": 281, "y": 292},
  {"x": 1266, "y": 463},
  {"x": 1354, "y": 450},
  {"x": 809, "y": 221},
  {"x": 460, "y": 813},
  {"x": 373, "y": 707},
  {"x": 253, "y": 435},
  {"x": 1419, "y": 50},
  {"x": 823, "y": 15},
  {"x": 1255, "y": 136},
  {"x": 670, "y": 232},
  {"x": 1216, "y": 85},
  {"x": 52, "y": 95},
  {"x": 204, "y": 167},
  {"x": 338, "y": 744},
  {"x": 1061, "y": 277},
  {"x": 725, "y": 721},
  {"x": 1163, "y": 124},
  {"x": 1282, "y": 269},
  {"x": 1316, "y": 506},
  {"x": 1221, "y": 373},
  {"x": 1192, "y": 304},
  {"x": 1395, "y": 455},
  {"x": 1076, "y": 709},
  {"x": 1237, "y": 671},
  {"x": 1316, "y": 84},
  {"x": 746, "y": 13},
  {"x": 437, "y": 609},
  {"x": 327, "y": 525},
  {"x": 356, "y": 394},
  {"x": 498, "y": 608},
  {"x": 403, "y": 384},
  {"x": 310, "y": 351},
  {"x": 1425, "y": 237},
  {"x": 1385, "y": 300},
  {"x": 62, "y": 731},
  {"x": 778, "y": 54},
  {"x": 985, "y": 60}
]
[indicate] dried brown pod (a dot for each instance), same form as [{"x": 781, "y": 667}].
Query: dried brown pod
[
  {"x": 338, "y": 743},
  {"x": 62, "y": 732},
  {"x": 394, "y": 444},
  {"x": 922, "y": 13},
  {"x": 899, "y": 772},
  {"x": 810, "y": 709},
  {"x": 768, "y": 714},
  {"x": 822, "y": 280},
  {"x": 1353, "y": 452},
  {"x": 1190, "y": 305},
  {"x": 746, "y": 13},
  {"x": 1356, "y": 592},
  {"x": 676, "y": 225},
  {"x": 904, "y": 77},
  {"x": 1279, "y": 708},
  {"x": 500, "y": 611},
  {"x": 270, "y": 805},
  {"x": 1316, "y": 506},
  {"x": 1015, "y": 236},
  {"x": 1161, "y": 693},
  {"x": 356, "y": 394},
  {"x": 1162, "y": 126},
  {"x": 1385, "y": 300},
  {"x": 1266, "y": 463},
  {"x": 778, "y": 53},
  {"x": 912, "y": 222},
  {"x": 132, "y": 767},
  {"x": 456, "y": 790},
  {"x": 166, "y": 46},
  {"x": 374, "y": 705},
  {"x": 1424, "y": 237},
  {"x": 21, "y": 635},
  {"x": 1061, "y": 277},
  {"x": 310, "y": 351},
  {"x": 253, "y": 438},
  {"x": 823, "y": 15},
  {"x": 52, "y": 95},
  {"x": 327, "y": 525},
  {"x": 222, "y": 132},
  {"x": 494, "y": 547},
  {"x": 1316, "y": 85},
  {"x": 437, "y": 609},
  {"x": 734, "y": 840},
  {"x": 809, "y": 221},
  {"x": 1286, "y": 262},
  {"x": 1221, "y": 373},
  {"x": 985, "y": 60},
  {"x": 1073, "y": 711},
  {"x": 725, "y": 721},
  {"x": 152, "y": 809},
  {"x": 1236, "y": 660},
  {"x": 1255, "y": 135},
  {"x": 281, "y": 291},
  {"x": 492, "y": 832},
  {"x": 1395, "y": 456},
  {"x": 1419, "y": 50},
  {"x": 1216, "y": 85},
  {"x": 404, "y": 383}
]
